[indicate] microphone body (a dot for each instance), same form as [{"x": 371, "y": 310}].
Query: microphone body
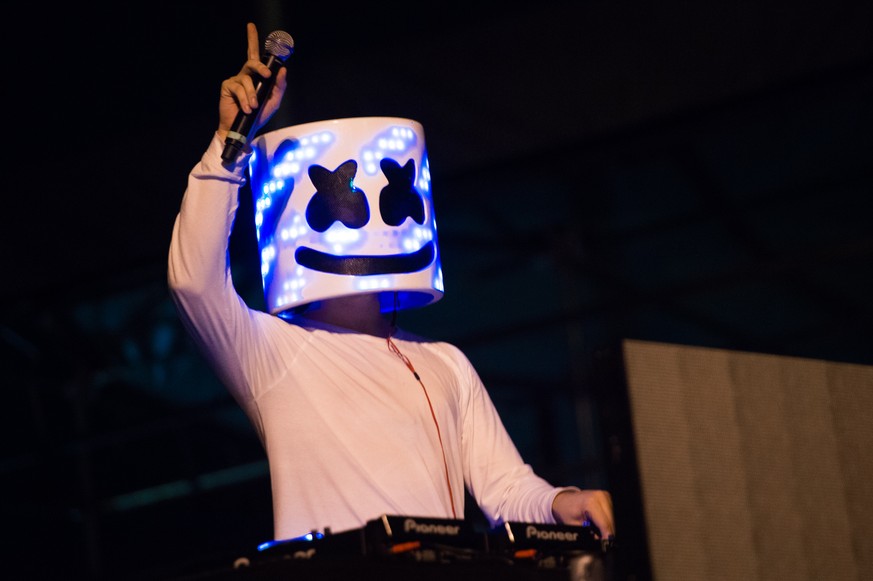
[{"x": 278, "y": 47}]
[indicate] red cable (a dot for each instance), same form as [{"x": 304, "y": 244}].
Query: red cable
[{"x": 394, "y": 349}]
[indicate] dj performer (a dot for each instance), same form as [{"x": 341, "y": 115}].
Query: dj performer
[{"x": 358, "y": 417}]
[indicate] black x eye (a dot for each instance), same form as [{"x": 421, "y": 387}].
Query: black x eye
[
  {"x": 336, "y": 198},
  {"x": 399, "y": 199}
]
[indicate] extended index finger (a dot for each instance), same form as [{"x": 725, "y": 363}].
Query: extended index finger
[{"x": 254, "y": 49}]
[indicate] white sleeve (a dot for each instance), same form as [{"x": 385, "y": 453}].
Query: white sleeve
[
  {"x": 227, "y": 332},
  {"x": 503, "y": 485}
]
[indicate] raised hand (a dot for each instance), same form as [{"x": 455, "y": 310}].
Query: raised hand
[{"x": 238, "y": 93}]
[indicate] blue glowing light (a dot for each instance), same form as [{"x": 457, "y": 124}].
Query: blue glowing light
[
  {"x": 314, "y": 535},
  {"x": 394, "y": 140}
]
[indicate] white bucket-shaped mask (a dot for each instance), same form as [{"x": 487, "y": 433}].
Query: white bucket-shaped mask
[{"x": 344, "y": 207}]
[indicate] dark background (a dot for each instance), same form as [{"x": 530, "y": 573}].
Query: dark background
[{"x": 677, "y": 172}]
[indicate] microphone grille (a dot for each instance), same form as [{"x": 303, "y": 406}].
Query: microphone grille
[{"x": 279, "y": 44}]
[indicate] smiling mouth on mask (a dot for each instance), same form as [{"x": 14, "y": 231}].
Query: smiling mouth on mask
[{"x": 357, "y": 265}]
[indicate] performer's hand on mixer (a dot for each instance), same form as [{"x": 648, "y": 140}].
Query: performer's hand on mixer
[{"x": 584, "y": 507}]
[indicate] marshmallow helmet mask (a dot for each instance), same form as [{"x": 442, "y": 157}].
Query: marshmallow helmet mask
[{"x": 344, "y": 207}]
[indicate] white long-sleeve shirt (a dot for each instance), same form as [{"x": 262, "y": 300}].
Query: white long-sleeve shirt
[{"x": 347, "y": 429}]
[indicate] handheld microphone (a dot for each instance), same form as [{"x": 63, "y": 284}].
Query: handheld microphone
[{"x": 278, "y": 46}]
